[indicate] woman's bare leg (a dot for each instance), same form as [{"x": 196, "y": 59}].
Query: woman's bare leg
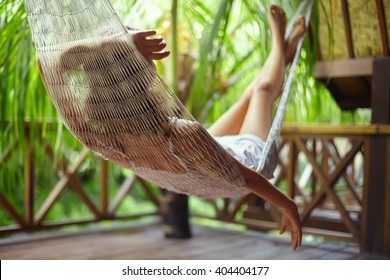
[
  {"x": 258, "y": 119},
  {"x": 231, "y": 122}
]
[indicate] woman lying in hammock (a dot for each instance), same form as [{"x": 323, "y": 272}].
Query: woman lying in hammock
[
  {"x": 113, "y": 101},
  {"x": 242, "y": 129}
]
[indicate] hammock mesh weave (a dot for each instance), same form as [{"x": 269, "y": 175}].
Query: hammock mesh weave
[{"x": 112, "y": 100}]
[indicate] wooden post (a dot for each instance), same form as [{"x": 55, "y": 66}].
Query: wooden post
[
  {"x": 175, "y": 214},
  {"x": 29, "y": 186},
  {"x": 104, "y": 189},
  {"x": 375, "y": 220},
  {"x": 313, "y": 178},
  {"x": 387, "y": 203},
  {"x": 291, "y": 171},
  {"x": 380, "y": 100}
]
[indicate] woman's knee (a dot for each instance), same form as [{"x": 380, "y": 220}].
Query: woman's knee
[{"x": 263, "y": 87}]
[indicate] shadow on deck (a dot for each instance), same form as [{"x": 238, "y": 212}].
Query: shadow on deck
[{"x": 145, "y": 241}]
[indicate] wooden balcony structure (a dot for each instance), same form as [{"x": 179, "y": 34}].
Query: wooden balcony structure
[
  {"x": 354, "y": 64},
  {"x": 327, "y": 169}
]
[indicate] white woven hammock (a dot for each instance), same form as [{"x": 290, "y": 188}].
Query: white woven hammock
[{"x": 113, "y": 101}]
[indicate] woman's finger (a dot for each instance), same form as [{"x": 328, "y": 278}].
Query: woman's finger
[
  {"x": 154, "y": 41},
  {"x": 282, "y": 228},
  {"x": 157, "y": 48},
  {"x": 157, "y": 56},
  {"x": 145, "y": 33},
  {"x": 294, "y": 240},
  {"x": 154, "y": 48},
  {"x": 298, "y": 229}
]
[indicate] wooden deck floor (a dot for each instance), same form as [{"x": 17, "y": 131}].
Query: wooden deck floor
[{"x": 147, "y": 242}]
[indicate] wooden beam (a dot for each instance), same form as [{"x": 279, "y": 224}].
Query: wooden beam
[
  {"x": 387, "y": 203},
  {"x": 237, "y": 206},
  {"x": 77, "y": 186},
  {"x": 380, "y": 101},
  {"x": 59, "y": 188},
  {"x": 328, "y": 185},
  {"x": 11, "y": 211},
  {"x": 374, "y": 216},
  {"x": 382, "y": 25},
  {"x": 291, "y": 168},
  {"x": 348, "y": 29},
  {"x": 316, "y": 130},
  {"x": 337, "y": 160},
  {"x": 29, "y": 181},
  {"x": 345, "y": 162},
  {"x": 122, "y": 192},
  {"x": 104, "y": 185},
  {"x": 344, "y": 68},
  {"x": 174, "y": 213},
  {"x": 152, "y": 197}
]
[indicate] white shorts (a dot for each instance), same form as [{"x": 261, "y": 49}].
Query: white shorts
[{"x": 248, "y": 149}]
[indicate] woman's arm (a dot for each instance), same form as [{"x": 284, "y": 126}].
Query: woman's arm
[{"x": 260, "y": 186}]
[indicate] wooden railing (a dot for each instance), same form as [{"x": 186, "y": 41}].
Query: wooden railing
[
  {"x": 32, "y": 217},
  {"x": 324, "y": 168}
]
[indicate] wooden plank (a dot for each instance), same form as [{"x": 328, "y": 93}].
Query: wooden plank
[
  {"x": 237, "y": 207},
  {"x": 345, "y": 162},
  {"x": 336, "y": 158},
  {"x": 387, "y": 203},
  {"x": 29, "y": 182},
  {"x": 348, "y": 29},
  {"x": 334, "y": 130},
  {"x": 11, "y": 211},
  {"x": 64, "y": 223},
  {"x": 148, "y": 243},
  {"x": 350, "y": 92},
  {"x": 124, "y": 189},
  {"x": 374, "y": 197},
  {"x": 104, "y": 188},
  {"x": 291, "y": 169},
  {"x": 382, "y": 25},
  {"x": 59, "y": 188},
  {"x": 328, "y": 185},
  {"x": 380, "y": 101},
  {"x": 213, "y": 203},
  {"x": 150, "y": 194},
  {"x": 365, "y": 192},
  {"x": 344, "y": 68},
  {"x": 75, "y": 183},
  {"x": 174, "y": 210}
]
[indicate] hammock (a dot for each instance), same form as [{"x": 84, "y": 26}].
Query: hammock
[{"x": 113, "y": 101}]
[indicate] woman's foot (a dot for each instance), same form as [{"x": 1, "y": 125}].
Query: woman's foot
[
  {"x": 277, "y": 21},
  {"x": 299, "y": 29}
]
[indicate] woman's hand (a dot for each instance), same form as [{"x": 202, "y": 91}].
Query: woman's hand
[
  {"x": 291, "y": 221},
  {"x": 151, "y": 48}
]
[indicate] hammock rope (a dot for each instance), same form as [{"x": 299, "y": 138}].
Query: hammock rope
[
  {"x": 113, "y": 101},
  {"x": 273, "y": 138}
]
